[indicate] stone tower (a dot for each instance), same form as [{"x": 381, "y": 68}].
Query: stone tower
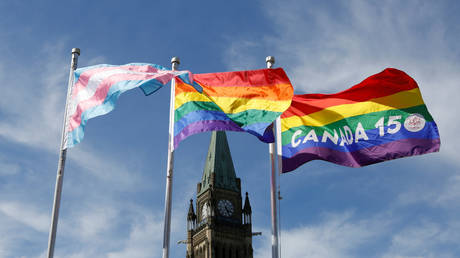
[{"x": 221, "y": 226}]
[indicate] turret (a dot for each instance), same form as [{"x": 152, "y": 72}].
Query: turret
[
  {"x": 191, "y": 217},
  {"x": 247, "y": 211}
]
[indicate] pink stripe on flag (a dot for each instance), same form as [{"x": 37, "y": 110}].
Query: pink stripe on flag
[
  {"x": 86, "y": 75},
  {"x": 102, "y": 90}
]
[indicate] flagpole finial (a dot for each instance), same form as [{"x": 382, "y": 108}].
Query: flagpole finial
[
  {"x": 175, "y": 62},
  {"x": 175, "y": 59},
  {"x": 270, "y": 60},
  {"x": 76, "y": 51}
]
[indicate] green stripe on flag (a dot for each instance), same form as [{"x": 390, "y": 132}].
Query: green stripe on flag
[{"x": 368, "y": 121}]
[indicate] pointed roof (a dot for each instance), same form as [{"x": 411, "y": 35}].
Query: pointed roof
[
  {"x": 247, "y": 206},
  {"x": 219, "y": 161},
  {"x": 191, "y": 213}
]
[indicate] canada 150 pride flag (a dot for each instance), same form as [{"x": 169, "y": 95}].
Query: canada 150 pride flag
[
  {"x": 248, "y": 101},
  {"x": 382, "y": 118},
  {"x": 96, "y": 89}
]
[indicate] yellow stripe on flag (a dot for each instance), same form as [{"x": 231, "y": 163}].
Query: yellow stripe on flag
[
  {"x": 332, "y": 114},
  {"x": 233, "y": 105}
]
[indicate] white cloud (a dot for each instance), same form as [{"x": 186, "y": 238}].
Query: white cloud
[
  {"x": 26, "y": 214},
  {"x": 424, "y": 240},
  {"x": 443, "y": 195},
  {"x": 113, "y": 230},
  {"x": 110, "y": 230},
  {"x": 8, "y": 168},
  {"x": 450, "y": 194},
  {"x": 95, "y": 220},
  {"x": 105, "y": 167},
  {"x": 241, "y": 60},
  {"x": 33, "y": 107},
  {"x": 33, "y": 98},
  {"x": 338, "y": 235},
  {"x": 144, "y": 239},
  {"x": 346, "y": 235}
]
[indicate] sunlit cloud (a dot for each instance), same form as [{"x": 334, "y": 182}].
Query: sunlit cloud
[
  {"x": 338, "y": 235},
  {"x": 32, "y": 218}
]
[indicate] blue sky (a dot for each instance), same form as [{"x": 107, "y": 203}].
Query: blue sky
[{"x": 113, "y": 196}]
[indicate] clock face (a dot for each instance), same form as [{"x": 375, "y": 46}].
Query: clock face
[
  {"x": 225, "y": 208},
  {"x": 204, "y": 211}
]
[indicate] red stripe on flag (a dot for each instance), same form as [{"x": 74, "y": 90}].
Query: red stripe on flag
[{"x": 388, "y": 82}]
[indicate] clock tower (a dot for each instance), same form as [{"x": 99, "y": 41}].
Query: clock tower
[{"x": 221, "y": 226}]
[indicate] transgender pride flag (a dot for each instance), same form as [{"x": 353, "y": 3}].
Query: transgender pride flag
[{"x": 97, "y": 88}]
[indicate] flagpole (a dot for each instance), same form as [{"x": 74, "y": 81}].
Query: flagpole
[
  {"x": 61, "y": 162},
  {"x": 169, "y": 177},
  {"x": 280, "y": 169},
  {"x": 270, "y": 60},
  {"x": 279, "y": 144}
]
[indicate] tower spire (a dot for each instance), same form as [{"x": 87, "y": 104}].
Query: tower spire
[{"x": 219, "y": 170}]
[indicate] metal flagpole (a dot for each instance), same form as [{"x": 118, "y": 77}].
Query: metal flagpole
[
  {"x": 61, "y": 162},
  {"x": 279, "y": 144},
  {"x": 280, "y": 169},
  {"x": 169, "y": 177},
  {"x": 270, "y": 60}
]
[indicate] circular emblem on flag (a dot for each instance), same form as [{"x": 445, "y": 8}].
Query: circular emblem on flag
[{"x": 414, "y": 123}]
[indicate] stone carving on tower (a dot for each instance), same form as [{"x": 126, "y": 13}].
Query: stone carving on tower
[{"x": 221, "y": 226}]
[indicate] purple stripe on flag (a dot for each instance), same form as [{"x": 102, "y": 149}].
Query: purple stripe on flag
[
  {"x": 205, "y": 126},
  {"x": 363, "y": 157}
]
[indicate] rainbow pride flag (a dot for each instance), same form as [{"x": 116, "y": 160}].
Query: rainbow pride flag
[
  {"x": 246, "y": 101},
  {"x": 382, "y": 118},
  {"x": 97, "y": 88}
]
